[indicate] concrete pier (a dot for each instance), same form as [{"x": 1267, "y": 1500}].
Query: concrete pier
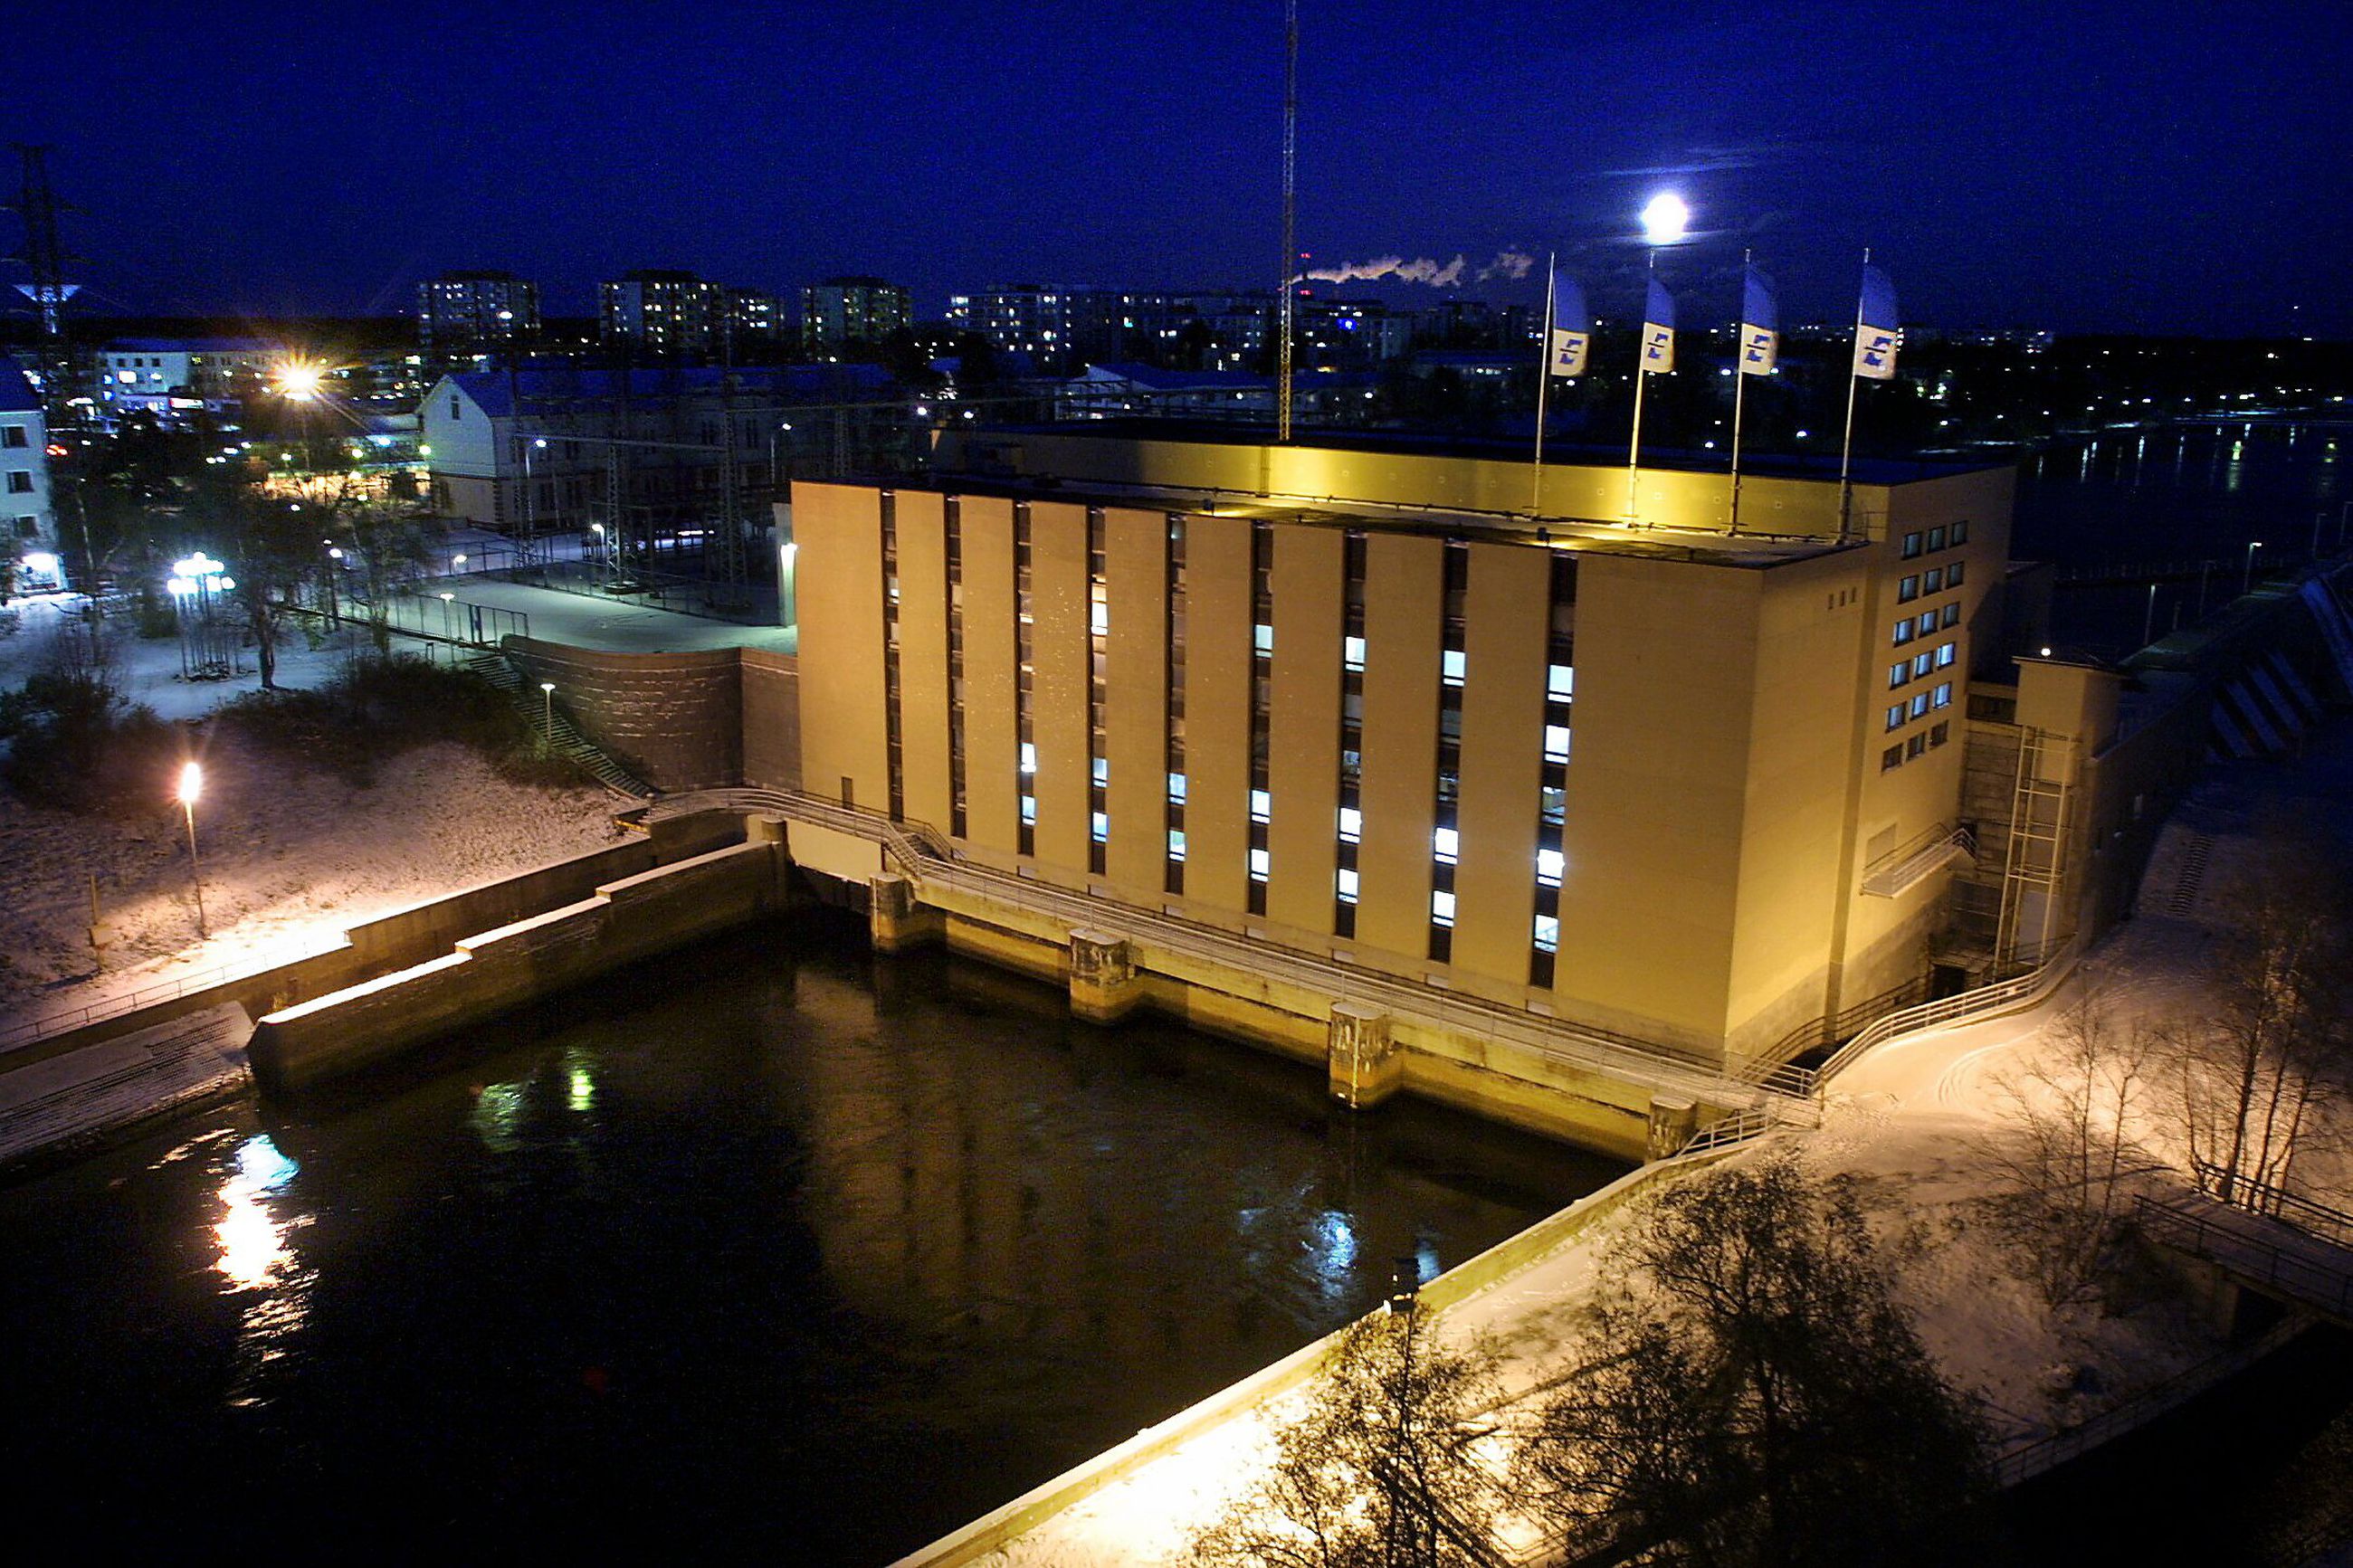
[
  {"x": 1673, "y": 1119},
  {"x": 1363, "y": 1063},
  {"x": 1104, "y": 986},
  {"x": 896, "y": 921}
]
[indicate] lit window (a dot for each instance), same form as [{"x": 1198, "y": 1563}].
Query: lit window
[
  {"x": 1101, "y": 827},
  {"x": 1099, "y": 616},
  {"x": 1262, "y": 639},
  {"x": 1960, "y": 535},
  {"x": 1347, "y": 885},
  {"x": 1897, "y": 674},
  {"x": 1556, "y": 743},
  {"x": 1953, "y": 575},
  {"x": 1176, "y": 844},
  {"x": 1262, "y": 805},
  {"x": 1907, "y": 590},
  {"x": 1945, "y": 655},
  {"x": 1352, "y": 653},
  {"x": 1952, "y": 616},
  {"x": 1903, "y": 631},
  {"x": 1444, "y": 844},
  {"x": 1352, "y": 825},
  {"x": 1029, "y": 809},
  {"x": 1451, "y": 667},
  {"x": 1921, "y": 664},
  {"x": 1029, "y": 757},
  {"x": 1942, "y": 696},
  {"x": 1936, "y": 539},
  {"x": 1177, "y": 789},
  {"x": 1550, "y": 864},
  {"x": 1919, "y": 705},
  {"x": 1547, "y": 934},
  {"x": 1911, "y": 545},
  {"x": 1258, "y": 864},
  {"x": 1927, "y": 622},
  {"x": 1103, "y": 770},
  {"x": 1936, "y": 579},
  {"x": 1895, "y": 717},
  {"x": 1441, "y": 908},
  {"x": 1560, "y": 682}
]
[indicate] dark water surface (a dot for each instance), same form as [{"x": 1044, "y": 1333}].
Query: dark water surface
[{"x": 767, "y": 1246}]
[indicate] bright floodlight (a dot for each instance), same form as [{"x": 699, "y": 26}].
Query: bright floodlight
[
  {"x": 1665, "y": 219},
  {"x": 298, "y": 382},
  {"x": 191, "y": 782},
  {"x": 41, "y": 563}
]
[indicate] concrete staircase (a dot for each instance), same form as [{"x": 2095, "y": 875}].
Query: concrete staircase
[{"x": 566, "y": 740}]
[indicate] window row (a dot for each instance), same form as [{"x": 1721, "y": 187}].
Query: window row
[
  {"x": 1928, "y": 740},
  {"x": 1951, "y": 536},
  {"x": 1920, "y": 664},
  {"x": 1936, "y": 580},
  {"x": 1902, "y": 713},
  {"x": 1926, "y": 624}
]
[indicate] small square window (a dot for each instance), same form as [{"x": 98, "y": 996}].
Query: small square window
[
  {"x": 1911, "y": 545},
  {"x": 1938, "y": 733},
  {"x": 1952, "y": 617},
  {"x": 1891, "y": 758},
  {"x": 1451, "y": 667},
  {"x": 1560, "y": 682},
  {"x": 1927, "y": 622},
  {"x": 1345, "y": 885},
  {"x": 1176, "y": 844},
  {"x": 1919, "y": 705},
  {"x": 1947, "y": 654},
  {"x": 1547, "y": 934},
  {"x": 1176, "y": 789},
  {"x": 1915, "y": 746},
  {"x": 1903, "y": 631},
  {"x": 1352, "y": 825},
  {"x": 1897, "y": 674},
  {"x": 1936, "y": 580},
  {"x": 1099, "y": 826},
  {"x": 1895, "y": 717},
  {"x": 1352, "y": 654},
  {"x": 1445, "y": 844},
  {"x": 1262, "y": 640},
  {"x": 1556, "y": 743},
  {"x": 1100, "y": 770},
  {"x": 1953, "y": 575},
  {"x": 20, "y": 483},
  {"x": 1936, "y": 539},
  {"x": 1550, "y": 864},
  {"x": 1922, "y": 663},
  {"x": 1907, "y": 590},
  {"x": 1442, "y": 908},
  {"x": 12, "y": 436},
  {"x": 1942, "y": 696},
  {"x": 1030, "y": 810},
  {"x": 1262, "y": 805},
  {"x": 1258, "y": 865},
  {"x": 1960, "y": 535}
]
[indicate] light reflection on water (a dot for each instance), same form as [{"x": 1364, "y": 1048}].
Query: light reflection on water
[{"x": 259, "y": 1262}]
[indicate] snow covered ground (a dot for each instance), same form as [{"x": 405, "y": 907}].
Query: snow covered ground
[{"x": 289, "y": 855}]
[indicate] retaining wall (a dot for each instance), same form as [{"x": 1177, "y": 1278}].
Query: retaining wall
[
  {"x": 675, "y": 717},
  {"x": 627, "y": 919},
  {"x": 772, "y": 719}
]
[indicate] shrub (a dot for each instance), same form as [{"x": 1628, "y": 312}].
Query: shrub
[{"x": 73, "y": 745}]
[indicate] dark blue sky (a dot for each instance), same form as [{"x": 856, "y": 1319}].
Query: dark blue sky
[{"x": 2155, "y": 166}]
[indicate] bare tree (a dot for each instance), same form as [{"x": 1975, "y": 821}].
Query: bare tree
[
  {"x": 2064, "y": 1151},
  {"x": 2261, "y": 1076},
  {"x": 1755, "y": 1395},
  {"x": 1389, "y": 1465}
]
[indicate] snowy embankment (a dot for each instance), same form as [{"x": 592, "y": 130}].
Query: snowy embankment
[{"x": 290, "y": 856}]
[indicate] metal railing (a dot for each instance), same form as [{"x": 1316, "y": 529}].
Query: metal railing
[
  {"x": 1986, "y": 1002},
  {"x": 437, "y": 619},
  {"x": 1926, "y": 853},
  {"x": 2319, "y": 1276},
  {"x": 25, "y": 1032},
  {"x": 922, "y": 853},
  {"x": 2330, "y": 1224}
]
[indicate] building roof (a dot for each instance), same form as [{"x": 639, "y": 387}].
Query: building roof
[
  {"x": 188, "y": 346},
  {"x": 1171, "y": 380},
  {"x": 500, "y": 392},
  {"x": 16, "y": 393}
]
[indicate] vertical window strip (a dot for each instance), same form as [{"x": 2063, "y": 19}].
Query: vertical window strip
[
  {"x": 1454, "y": 582},
  {"x": 1552, "y": 797},
  {"x": 1173, "y": 575},
  {"x": 953, "y": 509},
  {"x": 1024, "y": 675},
  {"x": 1098, "y": 674},
  {"x": 894, "y": 720},
  {"x": 1349, "y": 829},
  {"x": 1261, "y": 703}
]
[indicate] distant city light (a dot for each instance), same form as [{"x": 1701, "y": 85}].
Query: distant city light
[
  {"x": 1666, "y": 219},
  {"x": 298, "y": 383}
]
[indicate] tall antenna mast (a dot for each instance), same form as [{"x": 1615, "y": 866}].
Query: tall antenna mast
[
  {"x": 1290, "y": 205},
  {"x": 43, "y": 254}
]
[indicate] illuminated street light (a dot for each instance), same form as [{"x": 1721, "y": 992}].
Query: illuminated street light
[
  {"x": 1665, "y": 220},
  {"x": 192, "y": 784},
  {"x": 547, "y": 716},
  {"x": 298, "y": 383}
]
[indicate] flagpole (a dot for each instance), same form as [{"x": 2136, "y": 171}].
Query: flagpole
[
  {"x": 1544, "y": 379},
  {"x": 1739, "y": 385},
  {"x": 1846, "y": 448},
  {"x": 1642, "y": 377}
]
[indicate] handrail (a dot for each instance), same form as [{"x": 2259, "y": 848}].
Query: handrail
[
  {"x": 31, "y": 1031},
  {"x": 1893, "y": 872},
  {"x": 920, "y": 852},
  {"x": 1985, "y": 1001},
  {"x": 2273, "y": 1201},
  {"x": 2308, "y": 1281}
]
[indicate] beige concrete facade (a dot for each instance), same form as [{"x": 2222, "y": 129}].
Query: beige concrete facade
[{"x": 1733, "y": 777}]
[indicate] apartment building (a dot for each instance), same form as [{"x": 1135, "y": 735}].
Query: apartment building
[
  {"x": 27, "y": 521},
  {"x": 667, "y": 314},
  {"x": 844, "y": 311},
  {"x": 1696, "y": 788},
  {"x": 463, "y": 312},
  {"x": 171, "y": 377}
]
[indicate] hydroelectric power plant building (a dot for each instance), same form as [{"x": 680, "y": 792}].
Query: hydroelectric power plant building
[{"x": 1659, "y": 785}]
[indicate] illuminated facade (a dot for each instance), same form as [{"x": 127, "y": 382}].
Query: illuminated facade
[
  {"x": 1691, "y": 787},
  {"x": 27, "y": 523},
  {"x": 462, "y": 311}
]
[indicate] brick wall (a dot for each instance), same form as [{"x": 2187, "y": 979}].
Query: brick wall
[
  {"x": 772, "y": 726},
  {"x": 676, "y": 718}
]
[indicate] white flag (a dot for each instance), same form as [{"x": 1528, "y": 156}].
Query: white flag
[
  {"x": 1877, "y": 331},
  {"x": 1658, "y": 331},
  {"x": 1568, "y": 352}
]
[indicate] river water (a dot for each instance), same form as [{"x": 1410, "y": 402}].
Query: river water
[{"x": 768, "y": 1246}]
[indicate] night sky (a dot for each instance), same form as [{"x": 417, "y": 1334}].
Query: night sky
[{"x": 2095, "y": 166}]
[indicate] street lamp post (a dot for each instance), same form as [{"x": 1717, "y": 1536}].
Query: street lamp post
[
  {"x": 547, "y": 715},
  {"x": 2148, "y": 621},
  {"x": 449, "y": 625},
  {"x": 192, "y": 784},
  {"x": 2248, "y": 587}
]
